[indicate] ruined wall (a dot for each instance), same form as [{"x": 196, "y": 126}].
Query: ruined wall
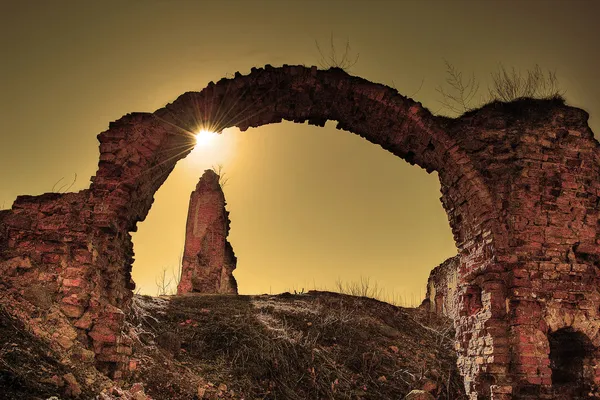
[
  {"x": 81, "y": 241},
  {"x": 519, "y": 182},
  {"x": 208, "y": 258},
  {"x": 442, "y": 289},
  {"x": 53, "y": 255},
  {"x": 541, "y": 160},
  {"x": 550, "y": 191}
]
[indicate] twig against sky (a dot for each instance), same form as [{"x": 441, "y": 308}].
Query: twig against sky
[
  {"x": 461, "y": 94},
  {"x": 333, "y": 60}
]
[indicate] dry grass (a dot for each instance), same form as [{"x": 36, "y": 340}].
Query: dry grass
[
  {"x": 315, "y": 345},
  {"x": 512, "y": 85},
  {"x": 365, "y": 287},
  {"x": 506, "y": 86}
]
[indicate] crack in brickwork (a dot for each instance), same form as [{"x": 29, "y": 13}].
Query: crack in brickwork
[{"x": 520, "y": 183}]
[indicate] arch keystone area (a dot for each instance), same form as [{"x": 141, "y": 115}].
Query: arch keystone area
[{"x": 520, "y": 183}]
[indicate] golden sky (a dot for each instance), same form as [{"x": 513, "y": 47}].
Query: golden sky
[{"x": 308, "y": 205}]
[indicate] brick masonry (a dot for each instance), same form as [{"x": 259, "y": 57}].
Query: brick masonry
[
  {"x": 208, "y": 259},
  {"x": 520, "y": 183}
]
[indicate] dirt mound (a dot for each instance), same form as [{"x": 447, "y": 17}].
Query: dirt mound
[
  {"x": 30, "y": 369},
  {"x": 318, "y": 345}
]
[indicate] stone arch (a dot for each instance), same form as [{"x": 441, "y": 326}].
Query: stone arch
[
  {"x": 138, "y": 152},
  {"x": 564, "y": 355},
  {"x": 520, "y": 183},
  {"x": 560, "y": 318},
  {"x": 571, "y": 359},
  {"x": 579, "y": 333}
]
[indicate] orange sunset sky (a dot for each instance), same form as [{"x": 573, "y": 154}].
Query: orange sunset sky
[{"x": 308, "y": 205}]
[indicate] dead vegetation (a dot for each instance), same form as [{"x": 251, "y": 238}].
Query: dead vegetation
[
  {"x": 65, "y": 187},
  {"x": 506, "y": 86},
  {"x": 336, "y": 59},
  {"x": 459, "y": 97},
  {"x": 17, "y": 355},
  {"x": 223, "y": 179},
  {"x": 318, "y": 345},
  {"x": 32, "y": 370},
  {"x": 165, "y": 285},
  {"x": 511, "y": 85},
  {"x": 364, "y": 287}
]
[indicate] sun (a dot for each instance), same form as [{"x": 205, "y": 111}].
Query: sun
[
  {"x": 210, "y": 148},
  {"x": 205, "y": 137}
]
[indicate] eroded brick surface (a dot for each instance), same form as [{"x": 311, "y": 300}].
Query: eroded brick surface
[
  {"x": 443, "y": 289},
  {"x": 208, "y": 258},
  {"x": 542, "y": 163},
  {"x": 519, "y": 182}
]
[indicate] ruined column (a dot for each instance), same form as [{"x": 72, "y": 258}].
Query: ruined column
[{"x": 208, "y": 258}]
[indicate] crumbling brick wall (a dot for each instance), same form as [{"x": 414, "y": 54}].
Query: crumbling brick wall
[
  {"x": 442, "y": 289},
  {"x": 54, "y": 254},
  {"x": 542, "y": 162},
  {"x": 519, "y": 182},
  {"x": 208, "y": 259}
]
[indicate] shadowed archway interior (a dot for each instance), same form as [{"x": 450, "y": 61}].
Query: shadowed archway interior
[{"x": 571, "y": 353}]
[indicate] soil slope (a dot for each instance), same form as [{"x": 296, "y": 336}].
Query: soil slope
[{"x": 318, "y": 345}]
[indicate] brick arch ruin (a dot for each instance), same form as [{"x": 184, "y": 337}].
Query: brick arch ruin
[{"x": 520, "y": 183}]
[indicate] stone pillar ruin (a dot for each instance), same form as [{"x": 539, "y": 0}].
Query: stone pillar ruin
[
  {"x": 520, "y": 184},
  {"x": 208, "y": 259}
]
